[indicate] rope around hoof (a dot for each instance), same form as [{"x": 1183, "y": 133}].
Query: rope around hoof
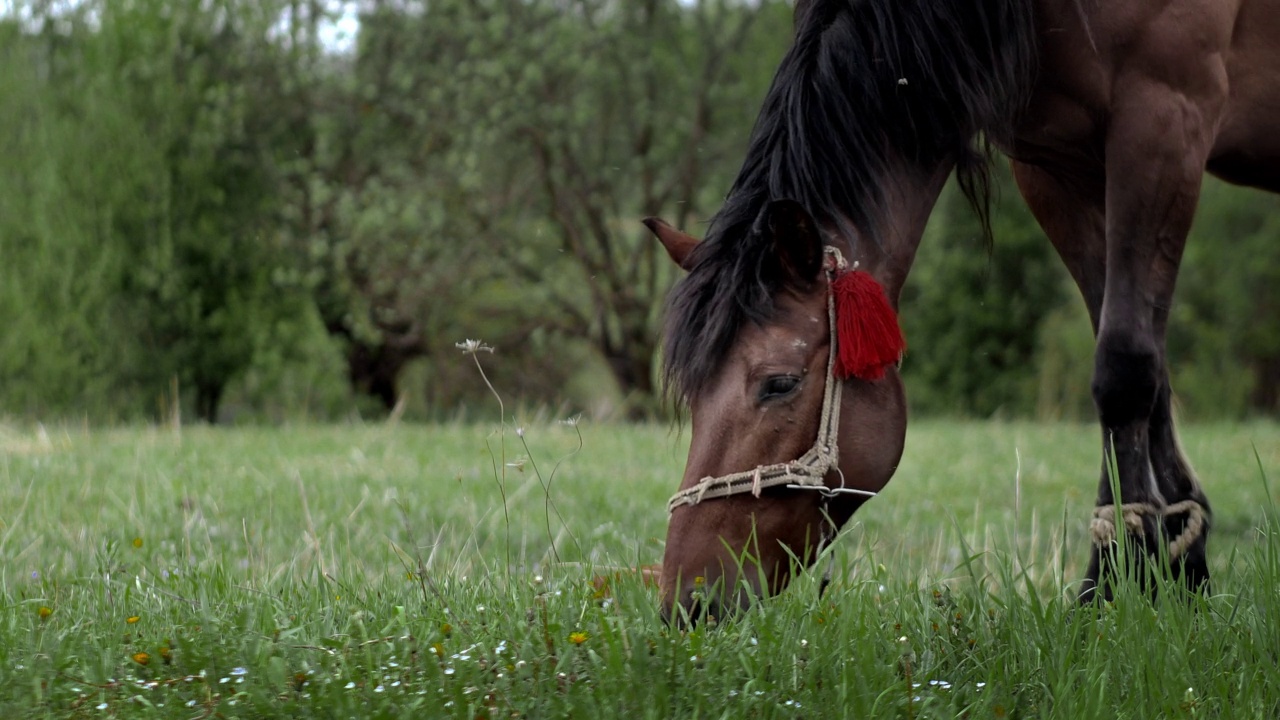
[{"x": 1103, "y": 526}]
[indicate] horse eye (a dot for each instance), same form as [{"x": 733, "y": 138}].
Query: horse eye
[{"x": 778, "y": 386}]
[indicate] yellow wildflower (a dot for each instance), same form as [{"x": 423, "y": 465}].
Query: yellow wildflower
[
  {"x": 142, "y": 658},
  {"x": 45, "y": 612},
  {"x": 137, "y": 542},
  {"x": 578, "y": 637},
  {"x": 132, "y": 619}
]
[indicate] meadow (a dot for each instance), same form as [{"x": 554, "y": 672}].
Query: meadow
[{"x": 447, "y": 571}]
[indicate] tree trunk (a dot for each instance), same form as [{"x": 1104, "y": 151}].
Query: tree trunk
[
  {"x": 631, "y": 363},
  {"x": 1266, "y": 391},
  {"x": 208, "y": 398},
  {"x": 375, "y": 371}
]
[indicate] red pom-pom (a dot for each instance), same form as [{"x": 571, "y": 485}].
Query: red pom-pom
[{"x": 868, "y": 337}]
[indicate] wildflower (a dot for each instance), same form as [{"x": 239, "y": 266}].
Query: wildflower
[
  {"x": 137, "y": 542},
  {"x": 699, "y": 581},
  {"x": 471, "y": 347},
  {"x": 132, "y": 619},
  {"x": 166, "y": 654},
  {"x": 438, "y": 649},
  {"x": 572, "y": 421},
  {"x": 44, "y": 612},
  {"x": 142, "y": 658},
  {"x": 446, "y": 629},
  {"x": 519, "y": 432},
  {"x": 578, "y": 637},
  {"x": 35, "y": 574}
]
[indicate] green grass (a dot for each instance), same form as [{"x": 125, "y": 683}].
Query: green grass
[{"x": 370, "y": 571}]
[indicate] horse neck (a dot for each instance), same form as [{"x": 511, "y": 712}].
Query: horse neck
[{"x": 888, "y": 249}]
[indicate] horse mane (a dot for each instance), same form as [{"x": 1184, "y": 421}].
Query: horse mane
[{"x": 866, "y": 82}]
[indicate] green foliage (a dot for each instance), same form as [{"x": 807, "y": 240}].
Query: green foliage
[
  {"x": 147, "y": 146},
  {"x": 970, "y": 315},
  {"x": 211, "y": 195},
  {"x": 1223, "y": 335}
]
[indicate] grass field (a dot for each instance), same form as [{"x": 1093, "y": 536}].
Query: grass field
[{"x": 377, "y": 571}]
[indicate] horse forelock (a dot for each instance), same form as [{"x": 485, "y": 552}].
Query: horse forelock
[{"x": 866, "y": 83}]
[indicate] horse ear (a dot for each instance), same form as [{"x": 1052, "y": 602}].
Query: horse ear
[
  {"x": 679, "y": 245},
  {"x": 797, "y": 243}
]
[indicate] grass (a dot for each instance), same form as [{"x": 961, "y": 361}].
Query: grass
[{"x": 376, "y": 571}]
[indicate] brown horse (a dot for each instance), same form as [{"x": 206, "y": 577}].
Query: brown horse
[{"x": 1110, "y": 111}]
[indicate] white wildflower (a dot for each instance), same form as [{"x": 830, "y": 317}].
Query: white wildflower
[{"x": 471, "y": 347}]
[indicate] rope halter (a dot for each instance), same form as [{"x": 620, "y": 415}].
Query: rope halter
[{"x": 809, "y": 471}]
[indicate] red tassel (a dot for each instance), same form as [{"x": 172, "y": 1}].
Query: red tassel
[{"x": 868, "y": 336}]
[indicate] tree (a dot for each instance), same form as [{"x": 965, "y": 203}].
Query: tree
[
  {"x": 1224, "y": 342},
  {"x": 971, "y": 314},
  {"x": 161, "y": 137}
]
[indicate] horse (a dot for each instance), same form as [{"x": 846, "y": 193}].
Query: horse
[{"x": 1110, "y": 113}]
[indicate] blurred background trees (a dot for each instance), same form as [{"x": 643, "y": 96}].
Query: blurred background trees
[{"x": 292, "y": 209}]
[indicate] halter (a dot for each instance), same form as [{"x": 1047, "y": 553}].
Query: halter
[{"x": 809, "y": 471}]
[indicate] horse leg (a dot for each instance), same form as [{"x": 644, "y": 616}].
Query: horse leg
[
  {"x": 1156, "y": 148},
  {"x": 1072, "y": 213},
  {"x": 1187, "y": 513},
  {"x": 1071, "y": 209}
]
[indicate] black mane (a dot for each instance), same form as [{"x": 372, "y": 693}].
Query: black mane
[{"x": 864, "y": 82}]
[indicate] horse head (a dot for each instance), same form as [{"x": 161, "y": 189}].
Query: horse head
[{"x": 796, "y": 421}]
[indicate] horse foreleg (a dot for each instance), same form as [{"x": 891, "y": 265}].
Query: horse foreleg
[
  {"x": 1071, "y": 210},
  {"x": 1157, "y": 144},
  {"x": 1186, "y": 513}
]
